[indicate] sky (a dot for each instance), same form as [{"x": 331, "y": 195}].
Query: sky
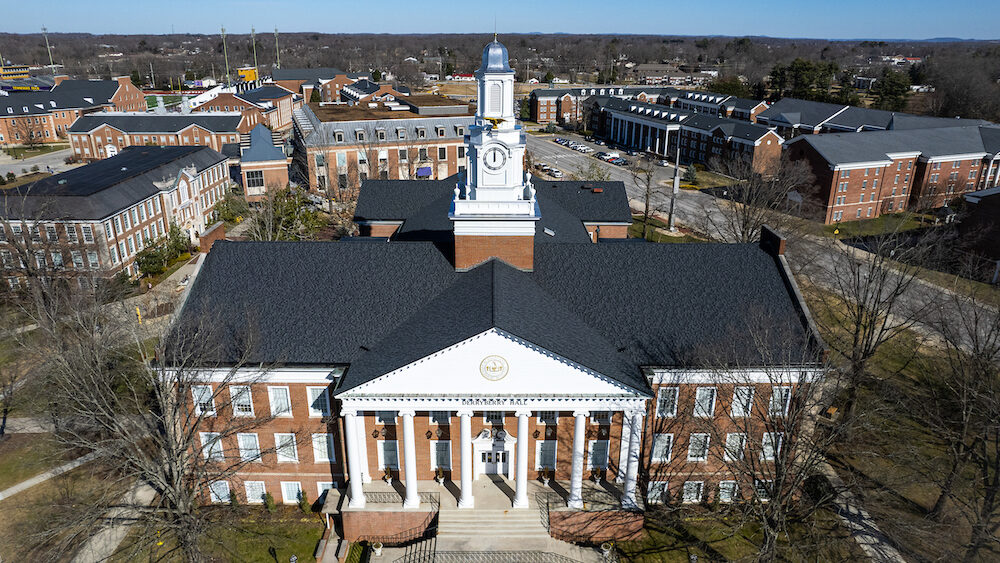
[{"x": 843, "y": 19}]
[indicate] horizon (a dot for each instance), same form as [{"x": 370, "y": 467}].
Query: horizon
[{"x": 891, "y": 20}]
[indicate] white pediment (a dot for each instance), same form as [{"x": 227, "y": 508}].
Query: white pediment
[{"x": 492, "y": 363}]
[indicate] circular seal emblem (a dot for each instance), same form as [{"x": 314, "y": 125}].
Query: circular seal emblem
[{"x": 494, "y": 368}]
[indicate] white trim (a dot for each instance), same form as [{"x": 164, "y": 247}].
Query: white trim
[
  {"x": 433, "y": 460},
  {"x": 331, "y": 454},
  {"x": 313, "y": 413},
  {"x": 253, "y": 375},
  {"x": 860, "y": 165},
  {"x": 727, "y": 451},
  {"x": 284, "y": 498},
  {"x": 952, "y": 157},
  {"x": 324, "y": 486},
  {"x": 733, "y": 494},
  {"x": 749, "y": 404},
  {"x": 670, "y": 449},
  {"x": 379, "y": 445},
  {"x": 538, "y": 454},
  {"x": 663, "y": 492},
  {"x": 211, "y": 397},
  {"x": 233, "y": 396},
  {"x": 251, "y": 499},
  {"x": 784, "y": 375},
  {"x": 711, "y": 409},
  {"x": 701, "y": 492},
  {"x": 213, "y": 494},
  {"x": 271, "y": 401},
  {"x": 708, "y": 445},
  {"x": 251, "y": 458},
  {"x": 209, "y": 439},
  {"x": 590, "y": 451},
  {"x": 277, "y": 447}
]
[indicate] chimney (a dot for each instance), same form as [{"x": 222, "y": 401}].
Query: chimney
[
  {"x": 123, "y": 80},
  {"x": 59, "y": 78},
  {"x": 772, "y": 242}
]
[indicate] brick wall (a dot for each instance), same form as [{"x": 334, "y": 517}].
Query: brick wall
[
  {"x": 358, "y": 525},
  {"x": 518, "y": 251},
  {"x": 595, "y": 527}
]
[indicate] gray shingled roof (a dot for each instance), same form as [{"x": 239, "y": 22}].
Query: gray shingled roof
[
  {"x": 263, "y": 94},
  {"x": 794, "y": 111},
  {"x": 730, "y": 127},
  {"x": 261, "y": 147},
  {"x": 104, "y": 187},
  {"x": 136, "y": 122},
  {"x": 875, "y": 146},
  {"x": 69, "y": 94}
]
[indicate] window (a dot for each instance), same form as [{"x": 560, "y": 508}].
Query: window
[
  {"x": 385, "y": 417},
  {"x": 249, "y": 447},
  {"x": 762, "y": 488},
  {"x": 442, "y": 153},
  {"x": 770, "y": 446},
  {"x": 388, "y": 457},
  {"x": 461, "y": 152},
  {"x": 280, "y": 402},
  {"x": 600, "y": 417},
  {"x": 92, "y": 259},
  {"x": 441, "y": 417},
  {"x": 704, "y": 402},
  {"x": 727, "y": 491},
  {"x": 545, "y": 454},
  {"x": 57, "y": 260},
  {"x": 360, "y": 135},
  {"x": 598, "y": 454},
  {"x": 204, "y": 402},
  {"x": 322, "y": 487},
  {"x": 546, "y": 417},
  {"x": 77, "y": 259},
  {"x": 319, "y": 402},
  {"x": 255, "y": 178},
  {"x": 780, "y": 397},
  {"x": 218, "y": 491},
  {"x": 211, "y": 446},
  {"x": 421, "y": 134},
  {"x": 657, "y": 492},
  {"x": 742, "y": 401},
  {"x": 71, "y": 234},
  {"x": 255, "y": 492},
  {"x": 663, "y": 445},
  {"x": 291, "y": 492},
  {"x": 493, "y": 417},
  {"x": 8, "y": 259},
  {"x": 422, "y": 154},
  {"x": 440, "y": 454},
  {"x": 736, "y": 445},
  {"x": 242, "y": 400},
  {"x": 698, "y": 447},
  {"x": 285, "y": 447},
  {"x": 323, "y": 448},
  {"x": 666, "y": 402},
  {"x": 692, "y": 491}
]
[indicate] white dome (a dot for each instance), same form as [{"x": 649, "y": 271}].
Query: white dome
[{"x": 495, "y": 58}]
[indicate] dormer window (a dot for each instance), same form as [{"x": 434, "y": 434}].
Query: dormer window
[
  {"x": 339, "y": 136},
  {"x": 460, "y": 131},
  {"x": 421, "y": 133},
  {"x": 440, "y": 131},
  {"x": 381, "y": 134},
  {"x": 400, "y": 133},
  {"x": 359, "y": 135},
  {"x": 24, "y": 109}
]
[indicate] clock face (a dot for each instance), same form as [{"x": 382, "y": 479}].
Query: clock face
[{"x": 494, "y": 158}]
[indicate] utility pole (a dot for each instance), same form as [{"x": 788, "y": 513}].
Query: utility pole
[
  {"x": 253, "y": 43},
  {"x": 52, "y": 65},
  {"x": 677, "y": 188},
  {"x": 225, "y": 53},
  {"x": 152, "y": 79},
  {"x": 277, "y": 53}
]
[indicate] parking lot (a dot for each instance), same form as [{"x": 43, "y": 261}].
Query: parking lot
[{"x": 570, "y": 161}]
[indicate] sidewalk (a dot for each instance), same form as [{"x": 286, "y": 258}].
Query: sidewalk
[
  {"x": 28, "y": 425},
  {"x": 859, "y": 523},
  {"x": 104, "y": 543},
  {"x": 27, "y": 484}
]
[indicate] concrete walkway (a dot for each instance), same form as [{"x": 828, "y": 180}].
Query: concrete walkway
[
  {"x": 29, "y": 426},
  {"x": 27, "y": 484},
  {"x": 859, "y": 523},
  {"x": 104, "y": 543}
]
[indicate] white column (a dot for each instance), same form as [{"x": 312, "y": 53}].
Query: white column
[
  {"x": 412, "y": 499},
  {"x": 632, "y": 469},
  {"x": 576, "y": 478},
  {"x": 357, "y": 499},
  {"x": 521, "y": 496},
  {"x": 465, "y": 436}
]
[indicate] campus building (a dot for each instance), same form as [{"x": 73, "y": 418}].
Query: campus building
[
  {"x": 500, "y": 334},
  {"x": 266, "y": 104},
  {"x": 102, "y": 135},
  {"x": 325, "y": 82},
  {"x": 99, "y": 216}
]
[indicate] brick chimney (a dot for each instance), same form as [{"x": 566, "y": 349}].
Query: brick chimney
[
  {"x": 516, "y": 250},
  {"x": 59, "y": 78}
]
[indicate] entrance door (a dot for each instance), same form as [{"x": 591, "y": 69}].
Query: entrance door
[{"x": 495, "y": 462}]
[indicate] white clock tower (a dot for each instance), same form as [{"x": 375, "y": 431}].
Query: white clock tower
[{"x": 494, "y": 210}]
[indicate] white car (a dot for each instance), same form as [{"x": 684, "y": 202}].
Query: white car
[{"x": 555, "y": 173}]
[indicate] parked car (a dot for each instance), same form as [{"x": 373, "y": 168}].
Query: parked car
[
  {"x": 663, "y": 163},
  {"x": 555, "y": 173},
  {"x": 599, "y": 142},
  {"x": 631, "y": 152}
]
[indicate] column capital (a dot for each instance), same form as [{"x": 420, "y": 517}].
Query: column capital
[
  {"x": 522, "y": 412},
  {"x": 349, "y": 412},
  {"x": 463, "y": 412},
  {"x": 406, "y": 412},
  {"x": 636, "y": 412},
  {"x": 579, "y": 412}
]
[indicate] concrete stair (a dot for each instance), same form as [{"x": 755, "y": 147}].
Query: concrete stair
[{"x": 475, "y": 530}]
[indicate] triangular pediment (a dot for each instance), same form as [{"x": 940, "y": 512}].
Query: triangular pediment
[{"x": 493, "y": 362}]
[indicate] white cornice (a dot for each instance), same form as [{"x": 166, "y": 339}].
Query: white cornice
[
  {"x": 784, "y": 375},
  {"x": 325, "y": 375}
]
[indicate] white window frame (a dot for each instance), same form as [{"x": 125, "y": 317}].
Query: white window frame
[
  {"x": 748, "y": 405},
  {"x": 595, "y": 417},
  {"x": 197, "y": 403},
  {"x": 770, "y": 445},
  {"x": 690, "y": 499},
  {"x": 271, "y": 401},
  {"x": 244, "y": 455},
  {"x": 211, "y": 446},
  {"x": 434, "y": 463},
  {"x": 670, "y": 448},
  {"x": 697, "y": 401},
  {"x": 659, "y": 412},
  {"x": 757, "y": 489},
  {"x": 317, "y": 440},
  {"x": 213, "y": 493},
  {"x": 656, "y": 491},
  {"x": 380, "y": 450},
  {"x": 783, "y": 409},
  {"x": 322, "y": 487},
  {"x": 283, "y": 458},
  {"x": 730, "y": 447},
  {"x": 733, "y": 489},
  {"x": 691, "y": 439},
  {"x": 237, "y": 391},
  {"x": 284, "y": 495},
  {"x": 538, "y": 454},
  {"x": 590, "y": 454},
  {"x": 249, "y": 494},
  {"x": 316, "y": 413}
]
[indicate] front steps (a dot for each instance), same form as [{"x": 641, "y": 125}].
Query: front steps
[{"x": 479, "y": 530}]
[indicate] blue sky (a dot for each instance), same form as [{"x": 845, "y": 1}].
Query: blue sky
[{"x": 843, "y": 19}]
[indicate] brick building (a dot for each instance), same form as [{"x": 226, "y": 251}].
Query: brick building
[
  {"x": 327, "y": 82},
  {"x": 99, "y": 216},
  {"x": 100, "y": 135},
  {"x": 365, "y": 90},
  {"x": 270, "y": 105},
  {"x": 479, "y": 345},
  {"x": 263, "y": 164},
  {"x": 568, "y": 105},
  {"x": 864, "y": 175},
  {"x": 339, "y": 146},
  {"x": 46, "y": 116}
]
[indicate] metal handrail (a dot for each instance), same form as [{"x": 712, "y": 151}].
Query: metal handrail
[{"x": 425, "y": 530}]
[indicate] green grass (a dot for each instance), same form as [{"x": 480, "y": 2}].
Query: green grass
[
  {"x": 655, "y": 235},
  {"x": 708, "y": 179},
  {"x": 22, "y": 456},
  {"x": 168, "y": 100},
  {"x": 28, "y": 152},
  {"x": 896, "y": 222},
  {"x": 26, "y": 179}
]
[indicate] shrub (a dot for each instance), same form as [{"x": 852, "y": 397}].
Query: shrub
[
  {"x": 304, "y": 505},
  {"x": 11, "y": 176},
  {"x": 234, "y": 502},
  {"x": 269, "y": 502},
  {"x": 551, "y": 128},
  {"x": 690, "y": 175},
  {"x": 3, "y": 181},
  {"x": 34, "y": 168}
]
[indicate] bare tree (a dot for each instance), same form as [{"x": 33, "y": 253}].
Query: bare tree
[
  {"x": 756, "y": 198},
  {"x": 282, "y": 215},
  {"x": 27, "y": 132},
  {"x": 655, "y": 198},
  {"x": 594, "y": 172}
]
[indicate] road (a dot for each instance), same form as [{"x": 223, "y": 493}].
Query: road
[{"x": 54, "y": 160}]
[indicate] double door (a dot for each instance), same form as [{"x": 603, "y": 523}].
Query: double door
[{"x": 495, "y": 461}]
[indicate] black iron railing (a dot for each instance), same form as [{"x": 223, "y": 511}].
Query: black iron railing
[{"x": 425, "y": 530}]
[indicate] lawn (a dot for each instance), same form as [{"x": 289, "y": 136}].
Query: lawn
[
  {"x": 896, "y": 222},
  {"x": 28, "y": 152},
  {"x": 707, "y": 180},
  {"x": 23, "y": 456},
  {"x": 26, "y": 179},
  {"x": 657, "y": 234},
  {"x": 168, "y": 100}
]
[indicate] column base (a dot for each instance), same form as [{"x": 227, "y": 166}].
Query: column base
[
  {"x": 467, "y": 502},
  {"x": 575, "y": 503},
  {"x": 629, "y": 503},
  {"x": 356, "y": 502},
  {"x": 521, "y": 503},
  {"x": 411, "y": 503}
]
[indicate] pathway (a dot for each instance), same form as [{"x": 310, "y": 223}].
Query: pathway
[
  {"x": 859, "y": 523},
  {"x": 43, "y": 477},
  {"x": 104, "y": 543},
  {"x": 29, "y": 425},
  {"x": 56, "y": 161}
]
